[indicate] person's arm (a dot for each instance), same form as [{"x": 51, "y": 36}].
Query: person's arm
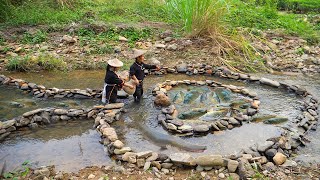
[
  {"x": 136, "y": 80},
  {"x": 128, "y": 85},
  {"x": 148, "y": 66},
  {"x": 118, "y": 81},
  {"x": 133, "y": 76}
]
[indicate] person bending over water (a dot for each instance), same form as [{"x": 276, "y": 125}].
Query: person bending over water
[
  {"x": 112, "y": 82},
  {"x": 137, "y": 72}
]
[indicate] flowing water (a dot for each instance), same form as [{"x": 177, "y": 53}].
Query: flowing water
[
  {"x": 311, "y": 152},
  {"x": 79, "y": 146}
]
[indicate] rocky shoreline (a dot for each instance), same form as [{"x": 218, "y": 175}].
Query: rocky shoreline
[{"x": 266, "y": 156}]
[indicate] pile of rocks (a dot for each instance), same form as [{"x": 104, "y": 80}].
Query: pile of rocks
[
  {"x": 168, "y": 115},
  {"x": 40, "y": 91},
  {"x": 285, "y": 53},
  {"x": 35, "y": 118}
]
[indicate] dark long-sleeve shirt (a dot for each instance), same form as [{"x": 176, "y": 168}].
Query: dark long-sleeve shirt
[
  {"x": 137, "y": 69},
  {"x": 112, "y": 78}
]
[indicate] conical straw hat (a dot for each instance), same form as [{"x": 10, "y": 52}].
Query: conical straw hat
[
  {"x": 137, "y": 53},
  {"x": 129, "y": 90},
  {"x": 115, "y": 62}
]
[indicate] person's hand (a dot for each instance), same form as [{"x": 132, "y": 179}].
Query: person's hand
[
  {"x": 137, "y": 82},
  {"x": 157, "y": 68},
  {"x": 130, "y": 86}
]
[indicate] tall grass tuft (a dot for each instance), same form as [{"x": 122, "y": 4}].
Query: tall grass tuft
[
  {"x": 199, "y": 17},
  {"x": 206, "y": 18}
]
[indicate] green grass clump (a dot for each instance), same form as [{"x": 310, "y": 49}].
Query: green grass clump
[
  {"x": 101, "y": 40},
  {"x": 38, "y": 37},
  {"x": 33, "y": 12},
  {"x": 301, "y": 6},
  {"x": 31, "y": 63},
  {"x": 267, "y": 17},
  {"x": 19, "y": 174},
  {"x": 2, "y": 40}
]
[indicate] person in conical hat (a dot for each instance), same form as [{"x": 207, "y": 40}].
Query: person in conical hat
[
  {"x": 112, "y": 82},
  {"x": 137, "y": 72}
]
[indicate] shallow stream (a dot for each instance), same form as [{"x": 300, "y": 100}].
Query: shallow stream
[{"x": 77, "y": 145}]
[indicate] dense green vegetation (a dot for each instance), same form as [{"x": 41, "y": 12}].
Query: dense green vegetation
[
  {"x": 193, "y": 15},
  {"x": 300, "y": 5}
]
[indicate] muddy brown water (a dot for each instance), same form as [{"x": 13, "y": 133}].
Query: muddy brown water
[{"x": 42, "y": 149}]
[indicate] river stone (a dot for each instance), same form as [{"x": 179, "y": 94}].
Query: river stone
[
  {"x": 269, "y": 166},
  {"x": 289, "y": 163},
  {"x": 4, "y": 135},
  {"x": 7, "y": 124},
  {"x": 22, "y": 121},
  {"x": 140, "y": 163},
  {"x": 33, "y": 125},
  {"x": 60, "y": 111},
  {"x": 312, "y": 112},
  {"x": 269, "y": 82},
  {"x": 201, "y": 128},
  {"x": 36, "y": 118},
  {"x": 161, "y": 117},
  {"x": 75, "y": 113},
  {"x": 11, "y": 128},
  {"x": 309, "y": 116},
  {"x": 175, "y": 122},
  {"x": 232, "y": 165},
  {"x": 65, "y": 118},
  {"x": 171, "y": 127},
  {"x": 110, "y": 133},
  {"x": 279, "y": 158},
  {"x": 169, "y": 117},
  {"x": 209, "y": 160},
  {"x": 270, "y": 153},
  {"x": 182, "y": 68},
  {"x": 182, "y": 158},
  {"x": 43, "y": 171},
  {"x": 144, "y": 154},
  {"x": 262, "y": 147},
  {"x": 168, "y": 110},
  {"x": 30, "y": 113},
  {"x": 154, "y": 156},
  {"x": 130, "y": 157},
  {"x": 24, "y": 86},
  {"x": 2, "y": 131},
  {"x": 118, "y": 144},
  {"x": 185, "y": 128},
  {"x": 167, "y": 165},
  {"x": 162, "y": 100},
  {"x": 114, "y": 106},
  {"x": 251, "y": 111},
  {"x": 146, "y": 166},
  {"x": 122, "y": 150},
  {"x": 245, "y": 170},
  {"x": 233, "y": 121},
  {"x": 156, "y": 164}
]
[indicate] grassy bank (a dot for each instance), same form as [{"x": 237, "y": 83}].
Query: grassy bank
[{"x": 215, "y": 20}]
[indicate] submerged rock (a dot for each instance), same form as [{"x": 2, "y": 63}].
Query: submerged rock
[
  {"x": 193, "y": 113},
  {"x": 275, "y": 120}
]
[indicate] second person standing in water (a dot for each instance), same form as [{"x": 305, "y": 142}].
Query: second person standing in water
[{"x": 137, "y": 72}]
